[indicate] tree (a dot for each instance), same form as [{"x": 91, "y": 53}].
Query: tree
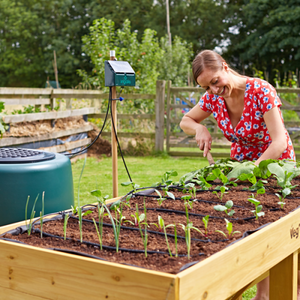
[
  {"x": 268, "y": 36},
  {"x": 31, "y": 30}
]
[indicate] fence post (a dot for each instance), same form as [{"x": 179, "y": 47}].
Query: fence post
[
  {"x": 159, "y": 115},
  {"x": 168, "y": 113}
]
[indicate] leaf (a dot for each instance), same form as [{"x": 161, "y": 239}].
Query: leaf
[
  {"x": 261, "y": 191},
  {"x": 274, "y": 168},
  {"x": 96, "y": 193},
  {"x": 220, "y": 208},
  {"x": 259, "y": 208},
  {"x": 261, "y": 214},
  {"x": 219, "y": 231},
  {"x": 126, "y": 183},
  {"x": 86, "y": 213},
  {"x": 244, "y": 167},
  {"x": 171, "y": 195},
  {"x": 229, "y": 204},
  {"x": 285, "y": 192},
  {"x": 254, "y": 201},
  {"x": 231, "y": 213}
]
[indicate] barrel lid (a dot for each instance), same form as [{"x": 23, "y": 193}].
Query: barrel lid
[{"x": 20, "y": 155}]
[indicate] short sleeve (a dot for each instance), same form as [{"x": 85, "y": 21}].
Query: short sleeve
[
  {"x": 267, "y": 96},
  {"x": 205, "y": 103}
]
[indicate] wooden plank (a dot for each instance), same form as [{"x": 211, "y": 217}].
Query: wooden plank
[
  {"x": 198, "y": 154},
  {"x": 283, "y": 279},
  {"x": 24, "y": 91},
  {"x": 9, "y": 141},
  {"x": 25, "y": 101},
  {"x": 247, "y": 287},
  {"x": 239, "y": 264},
  {"x": 48, "y": 115},
  {"x": 55, "y": 275},
  {"x": 10, "y": 294},
  {"x": 187, "y": 89},
  {"x": 131, "y": 134},
  {"x": 126, "y": 116},
  {"x": 194, "y": 145},
  {"x": 95, "y": 94},
  {"x": 288, "y": 90},
  {"x": 67, "y": 146}
]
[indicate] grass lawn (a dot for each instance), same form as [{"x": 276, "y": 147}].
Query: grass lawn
[{"x": 144, "y": 171}]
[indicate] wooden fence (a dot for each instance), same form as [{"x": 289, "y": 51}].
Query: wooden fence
[
  {"x": 52, "y": 97},
  {"x": 176, "y": 139},
  {"x": 168, "y": 113}
]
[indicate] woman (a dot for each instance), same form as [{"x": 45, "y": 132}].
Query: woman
[
  {"x": 247, "y": 112},
  {"x": 246, "y": 109}
]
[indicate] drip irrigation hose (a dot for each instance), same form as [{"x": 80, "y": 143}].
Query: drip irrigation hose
[
  {"x": 92, "y": 143},
  {"x": 148, "y": 231}
]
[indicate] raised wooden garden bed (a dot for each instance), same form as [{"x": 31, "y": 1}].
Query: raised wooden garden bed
[{"x": 28, "y": 272}]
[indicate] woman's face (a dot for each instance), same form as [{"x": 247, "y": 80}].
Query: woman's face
[{"x": 216, "y": 82}]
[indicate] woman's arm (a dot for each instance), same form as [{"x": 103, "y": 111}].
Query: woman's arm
[
  {"x": 277, "y": 133},
  {"x": 190, "y": 124}
]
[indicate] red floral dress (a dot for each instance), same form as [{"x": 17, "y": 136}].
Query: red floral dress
[{"x": 250, "y": 138}]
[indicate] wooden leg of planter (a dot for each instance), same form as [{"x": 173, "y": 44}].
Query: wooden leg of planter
[{"x": 283, "y": 279}]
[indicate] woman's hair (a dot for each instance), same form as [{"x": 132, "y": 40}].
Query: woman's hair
[{"x": 208, "y": 59}]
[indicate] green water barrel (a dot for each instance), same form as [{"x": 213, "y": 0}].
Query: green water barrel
[{"x": 25, "y": 172}]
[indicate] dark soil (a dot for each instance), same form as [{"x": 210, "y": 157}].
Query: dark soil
[
  {"x": 101, "y": 146},
  {"x": 172, "y": 212}
]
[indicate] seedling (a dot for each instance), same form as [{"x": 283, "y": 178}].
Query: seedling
[
  {"x": 42, "y": 214},
  {"x": 161, "y": 226},
  {"x": 66, "y": 218},
  {"x": 229, "y": 234},
  {"x": 223, "y": 190},
  {"x": 187, "y": 230},
  {"x": 138, "y": 220},
  {"x": 101, "y": 200},
  {"x": 227, "y": 208},
  {"x": 100, "y": 223},
  {"x": 187, "y": 200},
  {"x": 29, "y": 227},
  {"x": 205, "y": 222},
  {"x": 285, "y": 192},
  {"x": 257, "y": 211},
  {"x": 161, "y": 198},
  {"x": 165, "y": 180},
  {"x": 134, "y": 185}
]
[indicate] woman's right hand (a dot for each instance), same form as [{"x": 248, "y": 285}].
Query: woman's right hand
[{"x": 203, "y": 139}]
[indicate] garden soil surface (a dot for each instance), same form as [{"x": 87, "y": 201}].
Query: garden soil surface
[{"x": 172, "y": 212}]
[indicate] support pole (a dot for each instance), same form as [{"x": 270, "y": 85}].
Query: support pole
[
  {"x": 284, "y": 279},
  {"x": 114, "y": 144}
]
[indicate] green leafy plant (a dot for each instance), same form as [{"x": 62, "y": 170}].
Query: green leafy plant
[
  {"x": 257, "y": 211},
  {"x": 223, "y": 190},
  {"x": 227, "y": 208},
  {"x": 229, "y": 234}
]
